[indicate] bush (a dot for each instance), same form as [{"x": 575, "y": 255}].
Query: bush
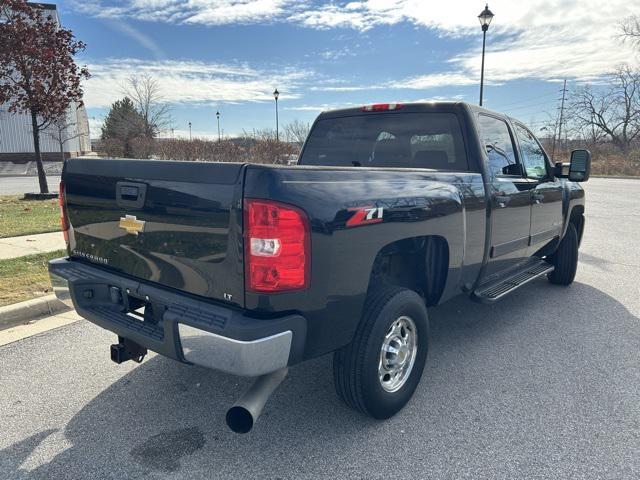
[
  {"x": 607, "y": 160},
  {"x": 228, "y": 150},
  {"x": 112, "y": 147}
]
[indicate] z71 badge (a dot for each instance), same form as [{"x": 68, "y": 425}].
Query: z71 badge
[{"x": 365, "y": 216}]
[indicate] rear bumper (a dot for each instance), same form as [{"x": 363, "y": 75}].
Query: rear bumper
[{"x": 181, "y": 327}]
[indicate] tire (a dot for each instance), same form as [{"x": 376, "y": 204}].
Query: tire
[
  {"x": 357, "y": 370},
  {"x": 565, "y": 259}
]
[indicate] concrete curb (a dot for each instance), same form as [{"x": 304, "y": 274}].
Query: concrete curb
[{"x": 30, "y": 310}]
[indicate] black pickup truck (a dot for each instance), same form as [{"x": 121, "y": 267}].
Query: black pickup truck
[{"x": 249, "y": 268}]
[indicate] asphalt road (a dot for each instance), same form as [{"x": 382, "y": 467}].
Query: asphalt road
[
  {"x": 26, "y": 184},
  {"x": 544, "y": 384}
]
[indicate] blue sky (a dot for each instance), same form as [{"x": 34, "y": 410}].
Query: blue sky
[{"x": 229, "y": 55}]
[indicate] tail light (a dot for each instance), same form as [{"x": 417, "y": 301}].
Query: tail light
[
  {"x": 277, "y": 246},
  {"x": 382, "y": 107},
  {"x": 64, "y": 221}
]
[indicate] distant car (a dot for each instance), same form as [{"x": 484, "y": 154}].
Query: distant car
[{"x": 251, "y": 268}]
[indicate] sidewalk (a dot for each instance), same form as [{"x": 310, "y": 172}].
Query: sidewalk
[
  {"x": 13, "y": 247},
  {"x": 25, "y": 330}
]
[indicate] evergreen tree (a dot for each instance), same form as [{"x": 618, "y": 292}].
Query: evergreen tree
[{"x": 122, "y": 125}]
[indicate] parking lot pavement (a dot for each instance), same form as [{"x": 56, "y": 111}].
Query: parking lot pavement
[{"x": 544, "y": 384}]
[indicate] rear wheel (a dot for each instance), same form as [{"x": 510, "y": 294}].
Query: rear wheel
[
  {"x": 565, "y": 259},
  {"x": 379, "y": 371}
]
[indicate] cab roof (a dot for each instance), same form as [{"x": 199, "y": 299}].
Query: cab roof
[{"x": 409, "y": 107}]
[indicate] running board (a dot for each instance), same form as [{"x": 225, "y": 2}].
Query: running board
[{"x": 495, "y": 290}]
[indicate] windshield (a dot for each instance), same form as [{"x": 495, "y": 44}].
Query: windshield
[{"x": 406, "y": 140}]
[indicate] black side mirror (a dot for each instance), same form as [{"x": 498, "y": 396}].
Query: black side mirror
[
  {"x": 578, "y": 169},
  {"x": 580, "y": 166}
]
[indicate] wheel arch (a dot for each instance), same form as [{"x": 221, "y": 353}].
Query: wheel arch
[{"x": 420, "y": 264}]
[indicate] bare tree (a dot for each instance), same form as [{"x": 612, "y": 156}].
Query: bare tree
[
  {"x": 630, "y": 30},
  {"x": 145, "y": 92},
  {"x": 296, "y": 132},
  {"x": 611, "y": 113},
  {"x": 60, "y": 129}
]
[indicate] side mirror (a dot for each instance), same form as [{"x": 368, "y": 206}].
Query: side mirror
[{"x": 578, "y": 169}]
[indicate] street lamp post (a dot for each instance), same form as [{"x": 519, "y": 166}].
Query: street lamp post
[
  {"x": 276, "y": 94},
  {"x": 189, "y": 131},
  {"x": 218, "y": 117},
  {"x": 485, "y": 18}
]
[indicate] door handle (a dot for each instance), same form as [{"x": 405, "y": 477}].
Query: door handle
[{"x": 502, "y": 200}]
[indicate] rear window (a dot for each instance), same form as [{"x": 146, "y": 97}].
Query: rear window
[{"x": 408, "y": 140}]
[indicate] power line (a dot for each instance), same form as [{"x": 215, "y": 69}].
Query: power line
[{"x": 559, "y": 124}]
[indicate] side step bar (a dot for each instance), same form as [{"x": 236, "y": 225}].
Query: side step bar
[{"x": 495, "y": 290}]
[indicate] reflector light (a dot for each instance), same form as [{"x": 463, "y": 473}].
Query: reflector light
[
  {"x": 64, "y": 221},
  {"x": 382, "y": 107},
  {"x": 277, "y": 245}
]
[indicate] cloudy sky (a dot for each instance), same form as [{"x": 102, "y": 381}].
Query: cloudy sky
[{"x": 229, "y": 55}]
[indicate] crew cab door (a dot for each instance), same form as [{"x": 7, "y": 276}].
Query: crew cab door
[
  {"x": 546, "y": 197},
  {"x": 510, "y": 196}
]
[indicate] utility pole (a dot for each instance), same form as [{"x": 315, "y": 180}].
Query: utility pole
[{"x": 553, "y": 149}]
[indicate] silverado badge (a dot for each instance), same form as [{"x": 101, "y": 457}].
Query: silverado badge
[{"x": 131, "y": 224}]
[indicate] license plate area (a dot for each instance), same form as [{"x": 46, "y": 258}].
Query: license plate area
[{"x": 144, "y": 312}]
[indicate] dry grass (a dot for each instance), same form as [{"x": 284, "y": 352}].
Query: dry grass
[
  {"x": 27, "y": 277},
  {"x": 26, "y": 217}
]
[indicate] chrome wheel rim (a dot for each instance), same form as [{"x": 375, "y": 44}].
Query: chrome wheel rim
[{"x": 398, "y": 354}]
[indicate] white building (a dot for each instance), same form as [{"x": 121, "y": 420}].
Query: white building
[{"x": 16, "y": 137}]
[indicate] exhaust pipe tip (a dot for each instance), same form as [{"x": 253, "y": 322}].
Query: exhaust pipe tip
[
  {"x": 239, "y": 419},
  {"x": 244, "y": 413}
]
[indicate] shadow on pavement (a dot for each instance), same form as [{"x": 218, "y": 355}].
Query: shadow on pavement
[{"x": 486, "y": 361}]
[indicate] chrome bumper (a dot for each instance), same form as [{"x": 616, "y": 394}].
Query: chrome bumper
[
  {"x": 265, "y": 351},
  {"x": 61, "y": 289},
  {"x": 245, "y": 358}
]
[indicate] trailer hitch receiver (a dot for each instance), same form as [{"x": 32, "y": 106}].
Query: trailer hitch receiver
[{"x": 125, "y": 350}]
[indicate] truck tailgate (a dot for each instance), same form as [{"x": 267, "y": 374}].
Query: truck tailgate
[{"x": 177, "y": 224}]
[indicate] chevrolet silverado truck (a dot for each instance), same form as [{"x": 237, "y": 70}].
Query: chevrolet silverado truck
[{"x": 251, "y": 268}]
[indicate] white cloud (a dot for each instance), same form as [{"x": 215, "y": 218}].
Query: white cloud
[
  {"x": 191, "y": 81},
  {"x": 424, "y": 82},
  {"x": 207, "y": 12},
  {"x": 420, "y": 82},
  {"x": 320, "y": 108},
  {"x": 222, "y": 12},
  {"x": 543, "y": 39},
  {"x": 139, "y": 37}
]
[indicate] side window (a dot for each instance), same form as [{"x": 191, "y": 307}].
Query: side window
[
  {"x": 498, "y": 144},
  {"x": 533, "y": 156}
]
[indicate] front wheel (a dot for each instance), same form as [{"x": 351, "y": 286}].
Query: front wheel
[
  {"x": 565, "y": 259},
  {"x": 379, "y": 371}
]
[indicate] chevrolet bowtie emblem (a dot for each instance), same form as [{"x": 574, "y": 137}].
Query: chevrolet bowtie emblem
[{"x": 131, "y": 224}]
